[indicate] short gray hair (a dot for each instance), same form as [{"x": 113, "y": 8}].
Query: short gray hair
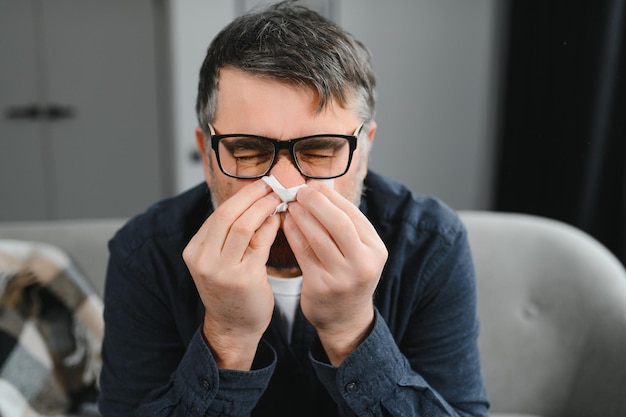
[{"x": 290, "y": 43}]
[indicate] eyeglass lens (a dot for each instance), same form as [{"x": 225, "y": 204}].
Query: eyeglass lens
[{"x": 323, "y": 156}]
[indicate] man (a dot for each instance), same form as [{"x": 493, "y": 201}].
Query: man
[{"x": 218, "y": 304}]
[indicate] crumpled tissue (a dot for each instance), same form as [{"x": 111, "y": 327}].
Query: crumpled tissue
[{"x": 286, "y": 194}]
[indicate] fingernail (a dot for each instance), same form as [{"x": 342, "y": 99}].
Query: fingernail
[
  {"x": 262, "y": 184},
  {"x": 330, "y": 183},
  {"x": 315, "y": 185}
]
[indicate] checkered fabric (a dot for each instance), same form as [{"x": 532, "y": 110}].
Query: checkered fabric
[{"x": 51, "y": 331}]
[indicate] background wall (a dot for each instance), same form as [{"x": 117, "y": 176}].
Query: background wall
[
  {"x": 128, "y": 136},
  {"x": 437, "y": 64}
]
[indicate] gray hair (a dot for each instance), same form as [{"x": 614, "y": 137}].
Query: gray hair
[{"x": 292, "y": 44}]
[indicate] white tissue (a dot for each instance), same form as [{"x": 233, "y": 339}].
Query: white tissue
[
  {"x": 288, "y": 194},
  {"x": 285, "y": 194}
]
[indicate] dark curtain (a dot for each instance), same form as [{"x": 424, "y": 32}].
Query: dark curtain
[{"x": 562, "y": 144}]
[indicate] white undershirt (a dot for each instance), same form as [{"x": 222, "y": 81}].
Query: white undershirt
[{"x": 286, "y": 298}]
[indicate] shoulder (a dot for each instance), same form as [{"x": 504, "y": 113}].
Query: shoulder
[
  {"x": 429, "y": 264},
  {"x": 394, "y": 209},
  {"x": 173, "y": 221}
]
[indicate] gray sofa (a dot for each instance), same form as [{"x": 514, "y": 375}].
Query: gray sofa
[
  {"x": 84, "y": 240},
  {"x": 552, "y": 304}
]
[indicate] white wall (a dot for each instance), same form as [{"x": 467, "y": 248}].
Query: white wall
[
  {"x": 437, "y": 72},
  {"x": 437, "y": 68},
  {"x": 193, "y": 24}
]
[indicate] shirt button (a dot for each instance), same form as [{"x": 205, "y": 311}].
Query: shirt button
[
  {"x": 206, "y": 385},
  {"x": 351, "y": 387}
]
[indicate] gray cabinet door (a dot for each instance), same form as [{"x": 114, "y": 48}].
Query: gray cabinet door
[
  {"x": 22, "y": 190},
  {"x": 92, "y": 146}
]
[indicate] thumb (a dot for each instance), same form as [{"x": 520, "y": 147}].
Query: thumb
[{"x": 263, "y": 239}]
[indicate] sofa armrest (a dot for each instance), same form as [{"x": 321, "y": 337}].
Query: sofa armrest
[{"x": 85, "y": 241}]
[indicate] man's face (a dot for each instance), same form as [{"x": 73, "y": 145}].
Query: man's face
[{"x": 264, "y": 107}]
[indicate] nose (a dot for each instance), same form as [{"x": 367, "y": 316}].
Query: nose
[{"x": 285, "y": 170}]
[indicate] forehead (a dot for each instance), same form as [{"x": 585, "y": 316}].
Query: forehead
[
  {"x": 246, "y": 101},
  {"x": 242, "y": 92}
]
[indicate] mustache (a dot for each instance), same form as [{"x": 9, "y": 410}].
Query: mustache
[{"x": 281, "y": 256}]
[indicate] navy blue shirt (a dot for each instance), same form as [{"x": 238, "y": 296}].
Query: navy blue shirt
[{"x": 421, "y": 358}]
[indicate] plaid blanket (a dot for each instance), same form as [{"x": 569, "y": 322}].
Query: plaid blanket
[{"x": 51, "y": 330}]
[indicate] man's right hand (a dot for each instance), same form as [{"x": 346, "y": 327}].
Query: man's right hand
[{"x": 226, "y": 259}]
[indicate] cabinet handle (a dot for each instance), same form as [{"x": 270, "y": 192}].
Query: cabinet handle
[
  {"x": 35, "y": 112},
  {"x": 57, "y": 111},
  {"x": 29, "y": 112}
]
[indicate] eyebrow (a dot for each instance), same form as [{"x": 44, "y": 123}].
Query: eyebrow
[
  {"x": 241, "y": 144},
  {"x": 355, "y": 133},
  {"x": 322, "y": 142}
]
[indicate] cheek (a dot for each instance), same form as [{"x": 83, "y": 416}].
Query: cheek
[
  {"x": 351, "y": 184},
  {"x": 222, "y": 187},
  {"x": 220, "y": 191}
]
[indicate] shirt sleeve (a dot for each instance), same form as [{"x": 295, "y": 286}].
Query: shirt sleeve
[
  {"x": 199, "y": 388},
  {"x": 147, "y": 369},
  {"x": 377, "y": 376},
  {"x": 434, "y": 369}
]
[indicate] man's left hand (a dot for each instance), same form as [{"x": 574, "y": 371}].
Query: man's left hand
[{"x": 342, "y": 258}]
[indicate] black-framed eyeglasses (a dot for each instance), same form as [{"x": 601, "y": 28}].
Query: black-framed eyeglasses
[{"x": 321, "y": 156}]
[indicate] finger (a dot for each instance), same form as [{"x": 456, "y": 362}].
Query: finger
[
  {"x": 259, "y": 248},
  {"x": 244, "y": 228},
  {"x": 311, "y": 197},
  {"x": 334, "y": 219},
  {"x": 299, "y": 243},
  {"x": 218, "y": 224},
  {"x": 316, "y": 238},
  {"x": 209, "y": 240}
]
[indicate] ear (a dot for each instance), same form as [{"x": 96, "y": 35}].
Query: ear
[
  {"x": 206, "y": 164},
  {"x": 372, "y": 130}
]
